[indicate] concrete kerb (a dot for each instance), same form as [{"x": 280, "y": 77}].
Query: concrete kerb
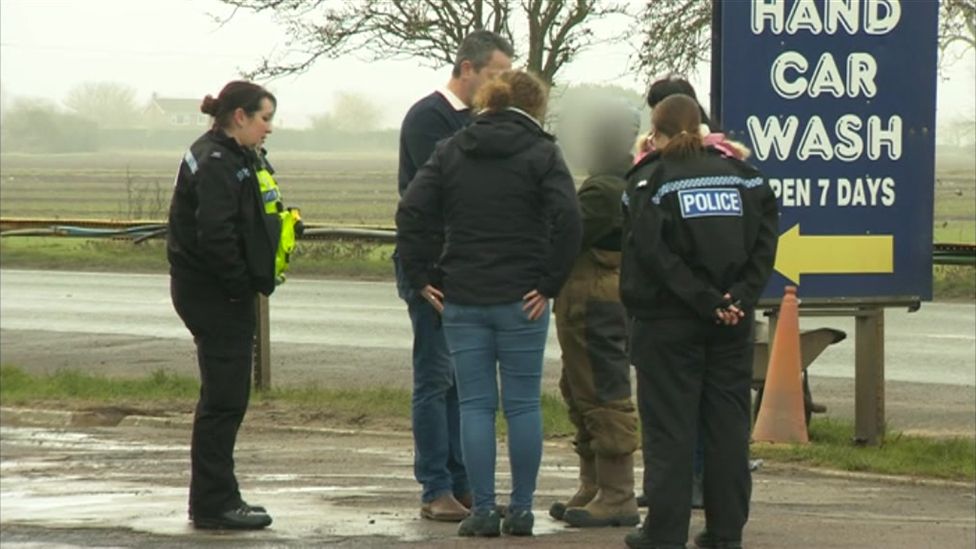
[
  {"x": 859, "y": 475},
  {"x": 36, "y": 417},
  {"x": 55, "y": 418},
  {"x": 61, "y": 419}
]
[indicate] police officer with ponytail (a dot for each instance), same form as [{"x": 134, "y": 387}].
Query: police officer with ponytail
[
  {"x": 225, "y": 231},
  {"x": 700, "y": 233}
]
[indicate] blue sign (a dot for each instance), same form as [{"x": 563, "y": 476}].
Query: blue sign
[{"x": 836, "y": 101}]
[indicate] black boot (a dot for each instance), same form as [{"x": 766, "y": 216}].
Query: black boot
[
  {"x": 704, "y": 540},
  {"x": 241, "y": 518},
  {"x": 637, "y": 539}
]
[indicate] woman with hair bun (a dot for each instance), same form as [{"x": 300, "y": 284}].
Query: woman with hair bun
[
  {"x": 222, "y": 242},
  {"x": 700, "y": 234},
  {"x": 507, "y": 202}
]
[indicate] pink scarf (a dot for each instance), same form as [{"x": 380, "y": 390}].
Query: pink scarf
[{"x": 715, "y": 140}]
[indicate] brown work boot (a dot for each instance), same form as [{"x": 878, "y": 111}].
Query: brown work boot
[
  {"x": 614, "y": 504},
  {"x": 586, "y": 491},
  {"x": 444, "y": 509}
]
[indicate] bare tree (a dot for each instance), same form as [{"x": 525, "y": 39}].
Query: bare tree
[
  {"x": 110, "y": 104},
  {"x": 352, "y": 112},
  {"x": 677, "y": 33},
  {"x": 38, "y": 125},
  {"x": 957, "y": 23},
  {"x": 555, "y": 31},
  {"x": 677, "y": 36}
]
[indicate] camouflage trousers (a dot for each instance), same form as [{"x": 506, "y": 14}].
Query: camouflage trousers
[{"x": 592, "y": 329}]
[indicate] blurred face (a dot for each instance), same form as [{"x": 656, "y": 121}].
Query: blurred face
[
  {"x": 473, "y": 80},
  {"x": 250, "y": 130}
]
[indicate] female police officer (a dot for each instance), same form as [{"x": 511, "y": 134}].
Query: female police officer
[
  {"x": 700, "y": 239},
  {"x": 221, "y": 249}
]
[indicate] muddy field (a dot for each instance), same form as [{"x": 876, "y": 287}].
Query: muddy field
[
  {"x": 348, "y": 188},
  {"x": 339, "y": 188}
]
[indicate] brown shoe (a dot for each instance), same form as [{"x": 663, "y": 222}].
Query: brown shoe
[{"x": 445, "y": 509}]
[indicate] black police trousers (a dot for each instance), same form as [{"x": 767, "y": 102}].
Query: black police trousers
[
  {"x": 223, "y": 331},
  {"x": 688, "y": 368}
]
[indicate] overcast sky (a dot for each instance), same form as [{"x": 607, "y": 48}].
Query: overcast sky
[{"x": 176, "y": 49}]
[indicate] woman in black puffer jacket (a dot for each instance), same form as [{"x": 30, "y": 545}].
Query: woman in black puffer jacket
[{"x": 507, "y": 202}]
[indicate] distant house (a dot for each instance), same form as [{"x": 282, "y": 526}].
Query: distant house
[{"x": 175, "y": 112}]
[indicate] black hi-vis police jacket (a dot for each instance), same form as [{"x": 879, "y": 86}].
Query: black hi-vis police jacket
[
  {"x": 695, "y": 229},
  {"x": 218, "y": 230}
]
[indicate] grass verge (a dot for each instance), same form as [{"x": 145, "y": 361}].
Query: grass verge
[
  {"x": 41, "y": 252},
  {"x": 380, "y": 406},
  {"x": 327, "y": 258},
  {"x": 954, "y": 282},
  {"x": 830, "y": 446},
  {"x": 335, "y": 258}
]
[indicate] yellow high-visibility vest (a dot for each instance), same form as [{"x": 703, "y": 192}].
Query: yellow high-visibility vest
[{"x": 271, "y": 196}]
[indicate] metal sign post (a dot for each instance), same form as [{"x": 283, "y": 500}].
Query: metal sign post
[
  {"x": 869, "y": 402},
  {"x": 836, "y": 101},
  {"x": 262, "y": 344}
]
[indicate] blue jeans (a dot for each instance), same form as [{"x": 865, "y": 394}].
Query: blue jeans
[
  {"x": 438, "y": 465},
  {"x": 486, "y": 341}
]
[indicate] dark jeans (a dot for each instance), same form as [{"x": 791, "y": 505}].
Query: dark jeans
[
  {"x": 224, "y": 335},
  {"x": 690, "y": 370},
  {"x": 438, "y": 465}
]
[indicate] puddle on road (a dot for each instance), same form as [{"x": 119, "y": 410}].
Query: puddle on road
[
  {"x": 74, "y": 440},
  {"x": 38, "y": 488},
  {"x": 43, "y": 545},
  {"x": 299, "y": 512}
]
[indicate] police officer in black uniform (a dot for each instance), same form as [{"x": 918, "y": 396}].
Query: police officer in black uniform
[
  {"x": 700, "y": 233},
  {"x": 221, "y": 249}
]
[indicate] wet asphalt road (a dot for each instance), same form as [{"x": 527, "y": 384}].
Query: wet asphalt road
[
  {"x": 125, "y": 486},
  {"x": 348, "y": 333},
  {"x": 935, "y": 345}
]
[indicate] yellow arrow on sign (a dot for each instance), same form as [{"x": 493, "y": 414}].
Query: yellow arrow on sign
[{"x": 837, "y": 254}]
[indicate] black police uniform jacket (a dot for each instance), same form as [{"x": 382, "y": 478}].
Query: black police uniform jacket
[
  {"x": 695, "y": 228},
  {"x": 219, "y": 233},
  {"x": 509, "y": 209}
]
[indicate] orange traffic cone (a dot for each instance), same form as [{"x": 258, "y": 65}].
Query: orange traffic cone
[{"x": 781, "y": 417}]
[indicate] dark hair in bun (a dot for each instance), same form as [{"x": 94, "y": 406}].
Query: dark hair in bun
[
  {"x": 239, "y": 94},
  {"x": 209, "y": 105}
]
